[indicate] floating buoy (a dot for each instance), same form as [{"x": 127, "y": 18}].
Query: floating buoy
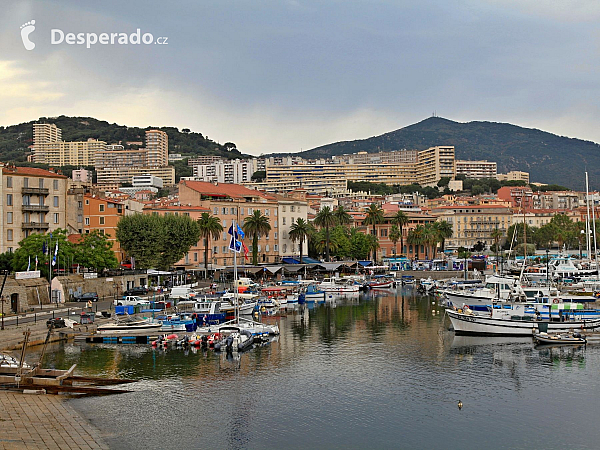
[{"x": 459, "y": 405}]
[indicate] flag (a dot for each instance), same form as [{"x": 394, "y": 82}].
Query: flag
[
  {"x": 36, "y": 261},
  {"x": 235, "y": 245},
  {"x": 44, "y": 248},
  {"x": 28, "y": 263},
  {"x": 55, "y": 253},
  {"x": 132, "y": 263},
  {"x": 231, "y": 232},
  {"x": 245, "y": 250},
  {"x": 240, "y": 232}
]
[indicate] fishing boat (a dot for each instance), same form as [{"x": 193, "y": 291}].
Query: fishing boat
[
  {"x": 560, "y": 339},
  {"x": 338, "y": 286},
  {"x": 180, "y": 322},
  {"x": 311, "y": 294},
  {"x": 381, "y": 283},
  {"x": 512, "y": 321},
  {"x": 496, "y": 289},
  {"x": 129, "y": 325}
]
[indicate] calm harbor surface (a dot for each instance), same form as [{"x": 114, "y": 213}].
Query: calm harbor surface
[{"x": 376, "y": 371}]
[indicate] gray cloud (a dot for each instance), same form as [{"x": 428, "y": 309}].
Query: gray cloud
[{"x": 286, "y": 75}]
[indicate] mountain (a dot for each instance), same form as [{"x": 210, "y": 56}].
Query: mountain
[
  {"x": 16, "y": 139},
  {"x": 547, "y": 157}
]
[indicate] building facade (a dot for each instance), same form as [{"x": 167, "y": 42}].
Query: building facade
[
  {"x": 476, "y": 169},
  {"x": 31, "y": 201},
  {"x": 103, "y": 215}
]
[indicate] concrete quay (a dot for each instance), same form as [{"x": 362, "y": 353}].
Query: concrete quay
[{"x": 44, "y": 422}]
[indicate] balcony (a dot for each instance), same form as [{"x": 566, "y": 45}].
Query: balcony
[
  {"x": 35, "y": 226},
  {"x": 34, "y": 191},
  {"x": 35, "y": 208}
]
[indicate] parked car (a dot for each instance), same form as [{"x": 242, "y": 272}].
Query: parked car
[
  {"x": 86, "y": 297},
  {"x": 57, "y": 322},
  {"x": 139, "y": 290},
  {"x": 129, "y": 300}
]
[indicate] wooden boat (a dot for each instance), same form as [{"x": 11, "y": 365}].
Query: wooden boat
[
  {"x": 560, "y": 339},
  {"x": 381, "y": 283},
  {"x": 512, "y": 322}
]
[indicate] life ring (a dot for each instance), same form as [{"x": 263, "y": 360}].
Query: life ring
[{"x": 555, "y": 301}]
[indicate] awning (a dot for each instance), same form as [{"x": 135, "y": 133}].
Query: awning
[
  {"x": 273, "y": 269},
  {"x": 294, "y": 267},
  {"x": 365, "y": 263},
  {"x": 330, "y": 267},
  {"x": 289, "y": 260}
]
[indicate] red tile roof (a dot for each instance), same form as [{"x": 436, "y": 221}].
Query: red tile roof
[
  {"x": 31, "y": 171},
  {"x": 224, "y": 189}
]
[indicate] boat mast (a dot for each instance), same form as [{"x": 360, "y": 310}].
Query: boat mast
[
  {"x": 593, "y": 224},
  {"x": 587, "y": 219},
  {"x": 235, "y": 276}
]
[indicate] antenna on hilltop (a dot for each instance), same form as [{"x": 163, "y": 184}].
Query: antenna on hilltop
[{"x": 434, "y": 114}]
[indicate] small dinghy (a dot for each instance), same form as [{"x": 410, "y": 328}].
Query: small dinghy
[{"x": 560, "y": 339}]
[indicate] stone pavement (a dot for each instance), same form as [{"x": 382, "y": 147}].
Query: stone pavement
[{"x": 29, "y": 421}]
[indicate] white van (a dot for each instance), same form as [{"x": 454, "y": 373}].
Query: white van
[{"x": 182, "y": 292}]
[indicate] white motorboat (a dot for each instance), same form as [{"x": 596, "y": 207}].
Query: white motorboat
[
  {"x": 128, "y": 325},
  {"x": 496, "y": 288},
  {"x": 512, "y": 321},
  {"x": 338, "y": 286}
]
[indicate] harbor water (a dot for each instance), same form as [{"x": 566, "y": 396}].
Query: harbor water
[{"x": 379, "y": 370}]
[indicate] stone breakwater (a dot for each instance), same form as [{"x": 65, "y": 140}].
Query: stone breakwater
[{"x": 44, "y": 422}]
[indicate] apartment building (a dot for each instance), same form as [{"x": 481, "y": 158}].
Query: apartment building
[
  {"x": 157, "y": 147},
  {"x": 103, "y": 214},
  {"x": 44, "y": 133},
  {"x": 519, "y": 197},
  {"x": 476, "y": 169},
  {"x": 425, "y": 167},
  {"x": 514, "y": 175},
  {"x": 31, "y": 201},
  {"x": 200, "y": 160},
  {"x": 291, "y": 207},
  {"x": 230, "y": 171},
  {"x": 474, "y": 223},
  {"x": 401, "y": 156},
  {"x": 232, "y": 202}
]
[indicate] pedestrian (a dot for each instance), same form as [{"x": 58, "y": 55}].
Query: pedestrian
[{"x": 89, "y": 305}]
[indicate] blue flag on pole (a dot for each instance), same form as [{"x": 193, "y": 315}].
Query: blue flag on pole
[
  {"x": 240, "y": 232},
  {"x": 235, "y": 245}
]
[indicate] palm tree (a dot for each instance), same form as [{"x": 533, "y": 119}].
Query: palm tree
[
  {"x": 444, "y": 231},
  {"x": 299, "y": 231},
  {"x": 373, "y": 244},
  {"x": 416, "y": 237},
  {"x": 395, "y": 237},
  {"x": 374, "y": 215},
  {"x": 322, "y": 244},
  {"x": 496, "y": 235},
  {"x": 341, "y": 215},
  {"x": 325, "y": 219},
  {"x": 255, "y": 225},
  {"x": 401, "y": 219},
  {"x": 431, "y": 238},
  {"x": 210, "y": 226}
]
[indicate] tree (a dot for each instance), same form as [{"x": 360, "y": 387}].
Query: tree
[
  {"x": 480, "y": 246},
  {"x": 299, "y": 231},
  {"x": 210, "y": 227},
  {"x": 360, "y": 245},
  {"x": 35, "y": 245},
  {"x": 255, "y": 225},
  {"x": 444, "y": 181},
  {"x": 373, "y": 245},
  {"x": 141, "y": 237},
  {"x": 179, "y": 233},
  {"x": 325, "y": 219},
  {"x": 416, "y": 237},
  {"x": 259, "y": 175},
  {"x": 395, "y": 237},
  {"x": 341, "y": 215},
  {"x": 374, "y": 215},
  {"x": 6, "y": 261},
  {"x": 431, "y": 238},
  {"x": 401, "y": 219},
  {"x": 444, "y": 231},
  {"x": 94, "y": 251},
  {"x": 496, "y": 235},
  {"x": 564, "y": 229}
]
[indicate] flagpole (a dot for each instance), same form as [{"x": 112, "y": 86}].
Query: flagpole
[{"x": 235, "y": 275}]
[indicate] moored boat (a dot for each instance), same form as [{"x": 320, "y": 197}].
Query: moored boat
[
  {"x": 128, "y": 325},
  {"x": 560, "y": 339}
]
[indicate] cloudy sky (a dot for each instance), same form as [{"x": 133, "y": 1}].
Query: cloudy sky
[{"x": 287, "y": 75}]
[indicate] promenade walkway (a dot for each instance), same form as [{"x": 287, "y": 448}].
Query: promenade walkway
[{"x": 44, "y": 422}]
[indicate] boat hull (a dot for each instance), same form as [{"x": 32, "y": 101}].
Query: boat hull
[{"x": 488, "y": 326}]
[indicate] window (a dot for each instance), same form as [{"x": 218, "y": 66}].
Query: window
[
  {"x": 275, "y": 235},
  {"x": 224, "y": 235},
  {"x": 250, "y": 211},
  {"x": 292, "y": 208},
  {"x": 283, "y": 208},
  {"x": 223, "y": 210},
  {"x": 9, "y": 217},
  {"x": 284, "y": 248},
  {"x": 87, "y": 220},
  {"x": 242, "y": 211},
  {"x": 87, "y": 202},
  {"x": 56, "y": 218},
  {"x": 8, "y": 199},
  {"x": 224, "y": 223},
  {"x": 26, "y": 200},
  {"x": 9, "y": 235},
  {"x": 8, "y": 182},
  {"x": 41, "y": 183},
  {"x": 275, "y": 224},
  {"x": 276, "y": 248},
  {"x": 101, "y": 220},
  {"x": 267, "y": 212},
  {"x": 283, "y": 221},
  {"x": 55, "y": 201},
  {"x": 215, "y": 211},
  {"x": 224, "y": 249},
  {"x": 195, "y": 257},
  {"x": 215, "y": 250},
  {"x": 267, "y": 247},
  {"x": 55, "y": 185},
  {"x": 26, "y": 182},
  {"x": 100, "y": 206},
  {"x": 79, "y": 218},
  {"x": 275, "y": 212}
]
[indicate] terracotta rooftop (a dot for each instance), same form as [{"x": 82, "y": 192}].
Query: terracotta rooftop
[
  {"x": 224, "y": 189},
  {"x": 31, "y": 171}
]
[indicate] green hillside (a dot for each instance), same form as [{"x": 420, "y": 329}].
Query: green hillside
[
  {"x": 15, "y": 139},
  {"x": 547, "y": 157}
]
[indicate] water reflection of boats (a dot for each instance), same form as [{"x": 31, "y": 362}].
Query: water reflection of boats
[{"x": 472, "y": 341}]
